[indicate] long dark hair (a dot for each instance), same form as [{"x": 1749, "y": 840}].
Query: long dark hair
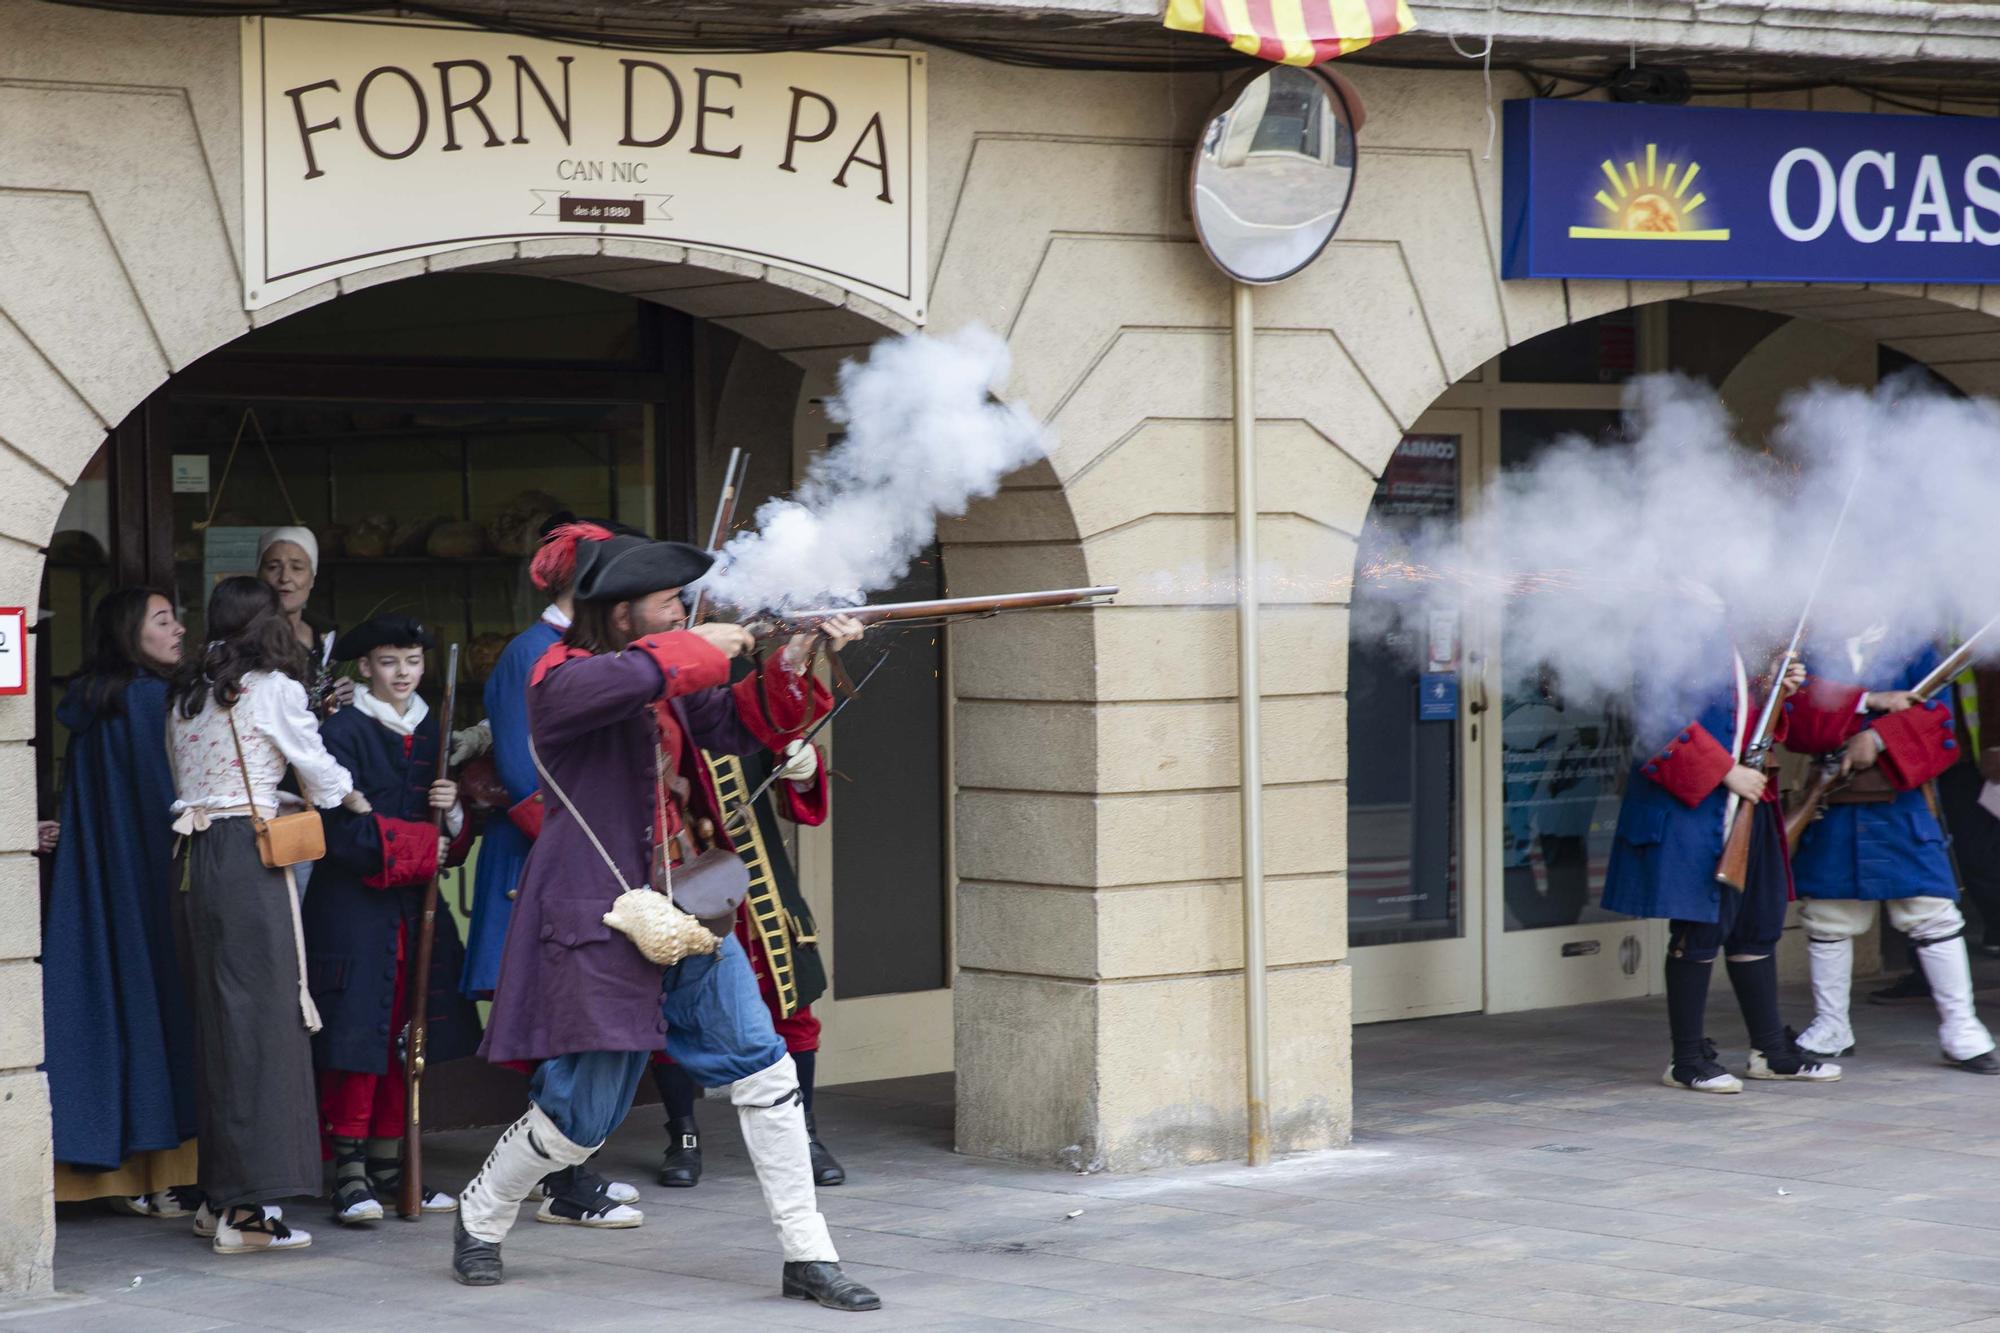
[
  {"x": 116, "y": 659},
  {"x": 247, "y": 631},
  {"x": 590, "y": 628}
]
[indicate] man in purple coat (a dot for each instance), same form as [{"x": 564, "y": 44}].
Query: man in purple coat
[{"x": 619, "y": 713}]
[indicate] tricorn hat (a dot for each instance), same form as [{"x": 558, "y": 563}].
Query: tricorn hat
[
  {"x": 624, "y": 568},
  {"x": 382, "y": 632}
]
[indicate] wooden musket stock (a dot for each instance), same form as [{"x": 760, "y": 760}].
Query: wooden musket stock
[{"x": 410, "y": 1198}]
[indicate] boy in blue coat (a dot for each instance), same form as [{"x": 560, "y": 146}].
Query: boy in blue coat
[
  {"x": 1678, "y": 799},
  {"x": 1889, "y": 850},
  {"x": 363, "y": 913}
]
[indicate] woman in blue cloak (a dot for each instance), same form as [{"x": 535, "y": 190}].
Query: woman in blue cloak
[{"x": 117, "y": 1023}]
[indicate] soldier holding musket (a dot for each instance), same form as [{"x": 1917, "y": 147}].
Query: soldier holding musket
[{"x": 619, "y": 713}]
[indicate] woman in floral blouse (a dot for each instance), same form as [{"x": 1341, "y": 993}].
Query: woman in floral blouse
[{"x": 253, "y": 1014}]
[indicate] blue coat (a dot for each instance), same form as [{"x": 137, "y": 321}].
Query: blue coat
[
  {"x": 1892, "y": 849},
  {"x": 1670, "y": 824},
  {"x": 503, "y": 849},
  {"x": 351, "y": 924},
  {"x": 117, "y": 1021}
]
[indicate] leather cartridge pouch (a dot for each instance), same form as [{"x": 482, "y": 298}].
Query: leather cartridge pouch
[
  {"x": 288, "y": 840},
  {"x": 710, "y": 887},
  {"x": 1870, "y": 786}
]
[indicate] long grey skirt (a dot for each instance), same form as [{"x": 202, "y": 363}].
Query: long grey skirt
[{"x": 258, "y": 1118}]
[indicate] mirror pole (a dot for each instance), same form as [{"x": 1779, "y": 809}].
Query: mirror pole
[{"x": 1256, "y": 1020}]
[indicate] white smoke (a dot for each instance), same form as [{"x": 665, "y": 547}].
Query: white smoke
[
  {"x": 1599, "y": 557},
  {"x": 924, "y": 437}
]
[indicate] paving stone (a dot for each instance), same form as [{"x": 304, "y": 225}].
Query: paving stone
[{"x": 1508, "y": 1172}]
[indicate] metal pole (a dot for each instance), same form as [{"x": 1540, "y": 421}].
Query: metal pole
[{"x": 1256, "y": 1019}]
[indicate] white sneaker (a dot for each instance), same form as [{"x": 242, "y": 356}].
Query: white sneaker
[
  {"x": 362, "y": 1210},
  {"x": 267, "y": 1233},
  {"x": 437, "y": 1201},
  {"x": 586, "y": 1181},
  {"x": 602, "y": 1214},
  {"x": 169, "y": 1202},
  {"x": 136, "y": 1205},
  {"x": 1795, "y": 1066},
  {"x": 204, "y": 1221},
  {"x": 1704, "y": 1073},
  {"x": 1694, "y": 1078}
]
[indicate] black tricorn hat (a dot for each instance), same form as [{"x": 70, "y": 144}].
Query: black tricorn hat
[
  {"x": 382, "y": 632},
  {"x": 563, "y": 516},
  {"x": 626, "y": 568}
]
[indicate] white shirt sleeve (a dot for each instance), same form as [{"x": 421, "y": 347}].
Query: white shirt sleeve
[
  {"x": 454, "y": 820},
  {"x": 289, "y": 723}
]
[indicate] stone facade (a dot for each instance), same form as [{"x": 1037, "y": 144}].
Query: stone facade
[{"x": 1099, "y": 997}]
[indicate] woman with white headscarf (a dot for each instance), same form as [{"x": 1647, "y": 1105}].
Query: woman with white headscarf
[{"x": 288, "y": 560}]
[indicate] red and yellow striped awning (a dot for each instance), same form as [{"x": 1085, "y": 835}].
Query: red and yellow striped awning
[{"x": 1293, "y": 32}]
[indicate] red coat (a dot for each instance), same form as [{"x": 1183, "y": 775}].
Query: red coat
[{"x": 568, "y": 982}]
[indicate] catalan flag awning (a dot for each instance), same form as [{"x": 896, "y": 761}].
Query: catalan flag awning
[{"x": 1293, "y": 32}]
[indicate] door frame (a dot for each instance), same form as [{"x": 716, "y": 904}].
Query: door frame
[
  {"x": 1429, "y": 978},
  {"x": 1529, "y": 969},
  {"x": 1489, "y": 967}
]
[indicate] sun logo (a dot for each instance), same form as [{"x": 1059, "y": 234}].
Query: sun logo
[{"x": 1650, "y": 205}]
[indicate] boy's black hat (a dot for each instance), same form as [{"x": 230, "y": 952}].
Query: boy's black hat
[
  {"x": 382, "y": 632},
  {"x": 625, "y": 568}
]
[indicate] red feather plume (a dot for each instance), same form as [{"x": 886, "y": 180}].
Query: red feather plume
[{"x": 554, "y": 566}]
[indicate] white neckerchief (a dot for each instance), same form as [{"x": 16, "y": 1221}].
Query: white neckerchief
[
  {"x": 554, "y": 616},
  {"x": 403, "y": 724}
]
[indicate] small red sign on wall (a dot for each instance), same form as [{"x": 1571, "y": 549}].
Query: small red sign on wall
[{"x": 13, "y": 650}]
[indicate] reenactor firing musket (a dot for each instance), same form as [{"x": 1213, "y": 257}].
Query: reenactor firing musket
[
  {"x": 1733, "y": 869},
  {"x": 1830, "y": 771}
]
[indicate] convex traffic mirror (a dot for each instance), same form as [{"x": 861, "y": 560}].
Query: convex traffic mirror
[{"x": 1274, "y": 171}]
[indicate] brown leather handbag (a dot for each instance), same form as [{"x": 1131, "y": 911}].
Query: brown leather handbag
[{"x": 288, "y": 840}]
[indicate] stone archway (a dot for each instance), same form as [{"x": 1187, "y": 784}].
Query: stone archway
[{"x": 54, "y": 414}]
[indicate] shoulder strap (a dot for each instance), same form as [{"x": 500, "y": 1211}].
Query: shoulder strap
[
  {"x": 549, "y": 782},
  {"x": 242, "y": 767}
]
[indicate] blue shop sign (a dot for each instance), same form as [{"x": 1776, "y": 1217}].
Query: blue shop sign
[
  {"x": 1437, "y": 696},
  {"x": 1605, "y": 190}
]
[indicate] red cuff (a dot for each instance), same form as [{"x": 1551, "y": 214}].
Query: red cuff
[
  {"x": 461, "y": 846},
  {"x": 1821, "y": 717},
  {"x": 689, "y": 662},
  {"x": 409, "y": 853},
  {"x": 1691, "y": 765},
  {"x": 809, "y": 807},
  {"x": 1918, "y": 744},
  {"x": 526, "y": 815},
  {"x": 785, "y": 695}
]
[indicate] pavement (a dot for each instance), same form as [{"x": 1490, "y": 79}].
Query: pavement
[{"x": 1511, "y": 1172}]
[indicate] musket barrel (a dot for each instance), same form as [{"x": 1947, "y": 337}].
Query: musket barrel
[
  {"x": 1961, "y": 657},
  {"x": 951, "y": 606}
]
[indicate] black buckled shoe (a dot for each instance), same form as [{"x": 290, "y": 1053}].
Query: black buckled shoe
[
  {"x": 680, "y": 1167},
  {"x": 824, "y": 1282},
  {"x": 827, "y": 1170},
  {"x": 1988, "y": 1063},
  {"x": 1908, "y": 989},
  {"x": 474, "y": 1262}
]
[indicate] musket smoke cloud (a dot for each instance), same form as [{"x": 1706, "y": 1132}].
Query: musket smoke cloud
[
  {"x": 1599, "y": 556},
  {"x": 925, "y": 437}
]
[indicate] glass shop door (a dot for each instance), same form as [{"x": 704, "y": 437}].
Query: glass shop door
[{"x": 1415, "y": 912}]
